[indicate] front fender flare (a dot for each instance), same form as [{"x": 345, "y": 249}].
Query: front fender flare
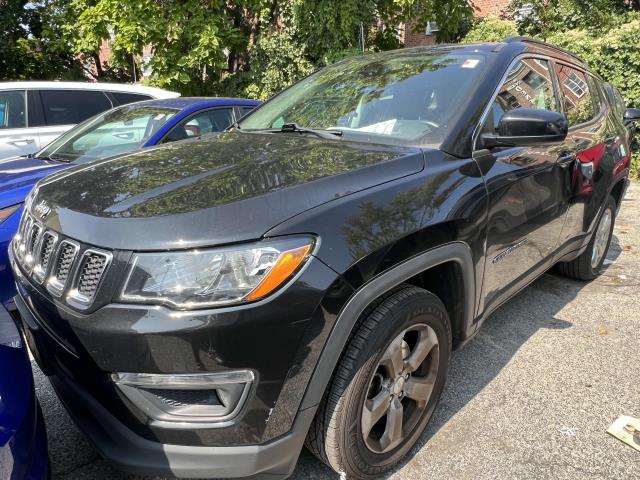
[{"x": 458, "y": 252}]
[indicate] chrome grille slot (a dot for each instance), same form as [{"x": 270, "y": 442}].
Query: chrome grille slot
[
  {"x": 21, "y": 247},
  {"x": 65, "y": 259},
  {"x": 46, "y": 249},
  {"x": 92, "y": 269},
  {"x": 62, "y": 268},
  {"x": 32, "y": 241},
  {"x": 90, "y": 272},
  {"x": 42, "y": 254}
]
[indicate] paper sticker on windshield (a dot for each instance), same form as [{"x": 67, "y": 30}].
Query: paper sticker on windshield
[{"x": 470, "y": 63}]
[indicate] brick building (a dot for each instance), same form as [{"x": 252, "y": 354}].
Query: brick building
[{"x": 484, "y": 8}]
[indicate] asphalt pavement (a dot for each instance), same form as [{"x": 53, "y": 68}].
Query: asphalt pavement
[{"x": 530, "y": 397}]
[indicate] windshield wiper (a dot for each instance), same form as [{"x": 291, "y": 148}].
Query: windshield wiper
[{"x": 295, "y": 128}]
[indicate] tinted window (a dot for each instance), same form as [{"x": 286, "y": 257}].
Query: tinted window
[
  {"x": 577, "y": 96},
  {"x": 68, "y": 107},
  {"x": 614, "y": 98},
  {"x": 399, "y": 98},
  {"x": 202, "y": 123},
  {"x": 528, "y": 85},
  {"x": 122, "y": 98},
  {"x": 12, "y": 109},
  {"x": 245, "y": 110}
]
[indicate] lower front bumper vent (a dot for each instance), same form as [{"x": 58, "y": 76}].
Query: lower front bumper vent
[{"x": 200, "y": 399}]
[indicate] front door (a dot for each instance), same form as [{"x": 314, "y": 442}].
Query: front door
[{"x": 524, "y": 184}]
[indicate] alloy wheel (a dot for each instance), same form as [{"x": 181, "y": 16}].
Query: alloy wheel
[
  {"x": 400, "y": 388},
  {"x": 601, "y": 238}
]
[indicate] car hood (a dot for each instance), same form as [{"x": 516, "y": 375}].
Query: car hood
[
  {"x": 231, "y": 187},
  {"x": 18, "y": 175}
]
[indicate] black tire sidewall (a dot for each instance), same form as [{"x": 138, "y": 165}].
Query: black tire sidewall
[
  {"x": 595, "y": 271},
  {"x": 419, "y": 308}
]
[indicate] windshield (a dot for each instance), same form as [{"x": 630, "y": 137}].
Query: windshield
[
  {"x": 410, "y": 98},
  {"x": 115, "y": 132}
]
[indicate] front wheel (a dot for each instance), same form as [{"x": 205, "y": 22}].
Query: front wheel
[
  {"x": 589, "y": 264},
  {"x": 386, "y": 386}
]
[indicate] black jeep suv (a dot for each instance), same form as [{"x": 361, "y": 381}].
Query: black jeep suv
[{"x": 203, "y": 308}]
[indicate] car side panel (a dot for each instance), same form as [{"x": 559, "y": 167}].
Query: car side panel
[{"x": 364, "y": 234}]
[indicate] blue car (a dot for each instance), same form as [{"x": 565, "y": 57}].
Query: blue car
[
  {"x": 116, "y": 132},
  {"x": 23, "y": 440}
]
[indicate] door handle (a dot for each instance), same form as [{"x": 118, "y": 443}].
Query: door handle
[{"x": 21, "y": 141}]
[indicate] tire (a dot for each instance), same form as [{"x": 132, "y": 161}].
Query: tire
[
  {"x": 582, "y": 267},
  {"x": 407, "y": 318}
]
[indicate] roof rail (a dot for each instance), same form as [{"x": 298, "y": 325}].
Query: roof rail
[{"x": 519, "y": 38}]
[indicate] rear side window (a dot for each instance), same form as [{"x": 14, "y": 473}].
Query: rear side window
[
  {"x": 123, "y": 98},
  {"x": 68, "y": 107},
  {"x": 245, "y": 110},
  {"x": 13, "y": 109},
  {"x": 581, "y": 101},
  {"x": 528, "y": 85},
  {"x": 202, "y": 123}
]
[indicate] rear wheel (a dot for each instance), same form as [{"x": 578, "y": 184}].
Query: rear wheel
[
  {"x": 386, "y": 386},
  {"x": 589, "y": 264}
]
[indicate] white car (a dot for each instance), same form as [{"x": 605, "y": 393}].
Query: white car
[{"x": 32, "y": 114}]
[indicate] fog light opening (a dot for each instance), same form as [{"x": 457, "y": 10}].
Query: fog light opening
[{"x": 199, "y": 398}]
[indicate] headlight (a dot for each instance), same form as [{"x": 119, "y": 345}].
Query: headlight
[
  {"x": 220, "y": 276},
  {"x": 8, "y": 211}
]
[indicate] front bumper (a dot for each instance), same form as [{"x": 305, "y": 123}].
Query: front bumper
[
  {"x": 279, "y": 339},
  {"x": 135, "y": 454}
]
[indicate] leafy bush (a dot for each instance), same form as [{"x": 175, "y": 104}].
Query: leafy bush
[
  {"x": 614, "y": 54},
  {"x": 276, "y": 62},
  {"x": 490, "y": 29}
]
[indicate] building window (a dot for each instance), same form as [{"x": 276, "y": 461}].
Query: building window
[
  {"x": 534, "y": 80},
  {"x": 431, "y": 28},
  {"x": 576, "y": 85},
  {"x": 523, "y": 13}
]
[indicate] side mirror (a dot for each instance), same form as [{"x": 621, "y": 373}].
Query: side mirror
[
  {"x": 524, "y": 127},
  {"x": 632, "y": 115}
]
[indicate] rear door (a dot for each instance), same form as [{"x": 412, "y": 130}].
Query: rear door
[
  {"x": 597, "y": 141},
  {"x": 15, "y": 137},
  {"x": 526, "y": 208},
  {"x": 63, "y": 109}
]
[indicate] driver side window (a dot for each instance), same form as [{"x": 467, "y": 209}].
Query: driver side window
[{"x": 528, "y": 85}]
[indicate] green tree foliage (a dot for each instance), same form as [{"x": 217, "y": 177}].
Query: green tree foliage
[
  {"x": 554, "y": 16},
  {"x": 490, "y": 29},
  {"x": 31, "y": 46}
]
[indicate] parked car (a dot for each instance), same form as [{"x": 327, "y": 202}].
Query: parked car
[
  {"x": 118, "y": 131},
  {"x": 205, "y": 307},
  {"x": 23, "y": 439},
  {"x": 32, "y": 114}
]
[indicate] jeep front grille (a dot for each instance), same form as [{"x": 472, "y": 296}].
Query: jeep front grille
[{"x": 62, "y": 264}]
